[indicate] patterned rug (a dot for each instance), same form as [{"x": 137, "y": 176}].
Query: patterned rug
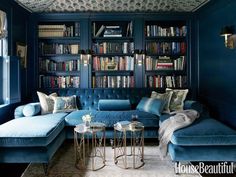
[{"x": 63, "y": 165}]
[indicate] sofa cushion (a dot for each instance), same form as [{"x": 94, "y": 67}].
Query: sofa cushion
[
  {"x": 31, "y": 109},
  {"x": 31, "y": 131},
  {"x": 177, "y": 99},
  {"x": 46, "y": 102},
  {"x": 204, "y": 131},
  {"x": 151, "y": 105},
  {"x": 113, "y": 105},
  {"x": 112, "y": 117},
  {"x": 166, "y": 97},
  {"x": 18, "y": 113},
  {"x": 64, "y": 104}
]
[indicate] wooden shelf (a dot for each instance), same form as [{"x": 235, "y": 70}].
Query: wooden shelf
[
  {"x": 115, "y": 39},
  {"x": 166, "y": 72},
  {"x": 60, "y": 73},
  {"x": 112, "y": 54},
  {"x": 113, "y": 73}
]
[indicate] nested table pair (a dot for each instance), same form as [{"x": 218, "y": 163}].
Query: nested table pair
[{"x": 90, "y": 145}]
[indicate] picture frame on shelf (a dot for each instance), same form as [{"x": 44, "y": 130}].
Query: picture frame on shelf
[{"x": 21, "y": 52}]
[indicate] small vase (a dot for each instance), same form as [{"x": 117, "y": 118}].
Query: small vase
[{"x": 87, "y": 124}]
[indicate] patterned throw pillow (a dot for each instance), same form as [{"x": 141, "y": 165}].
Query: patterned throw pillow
[
  {"x": 65, "y": 104},
  {"x": 166, "y": 97},
  {"x": 46, "y": 102},
  {"x": 177, "y": 99}
]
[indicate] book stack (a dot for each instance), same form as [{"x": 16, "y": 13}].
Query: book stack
[
  {"x": 164, "y": 63},
  {"x": 113, "y": 81},
  {"x": 155, "y": 30},
  {"x": 112, "y": 31},
  {"x": 59, "y": 81},
  {"x": 159, "y": 81},
  {"x": 51, "y": 30},
  {"x": 179, "y": 63},
  {"x": 113, "y": 47},
  {"x": 56, "y": 48}
]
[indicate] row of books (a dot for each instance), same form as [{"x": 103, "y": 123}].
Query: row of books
[
  {"x": 165, "y": 63},
  {"x": 113, "y": 47},
  {"x": 55, "y": 48},
  {"x": 160, "y": 81},
  {"x": 50, "y": 65},
  {"x": 59, "y": 30},
  {"x": 113, "y": 63},
  {"x": 113, "y": 30},
  {"x": 59, "y": 81},
  {"x": 166, "y": 48},
  {"x": 113, "y": 81},
  {"x": 156, "y": 30}
]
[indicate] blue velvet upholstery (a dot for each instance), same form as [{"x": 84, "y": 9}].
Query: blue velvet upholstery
[
  {"x": 113, "y": 105},
  {"x": 31, "y": 131},
  {"x": 111, "y": 117},
  {"x": 219, "y": 153},
  {"x": 151, "y": 105},
  {"x": 204, "y": 132},
  {"x": 31, "y": 109}
]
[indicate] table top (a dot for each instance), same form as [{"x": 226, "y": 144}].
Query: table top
[
  {"x": 129, "y": 126},
  {"x": 94, "y": 127}
]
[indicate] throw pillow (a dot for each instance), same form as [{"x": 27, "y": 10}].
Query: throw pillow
[
  {"x": 46, "y": 102},
  {"x": 113, "y": 105},
  {"x": 65, "y": 104},
  {"x": 31, "y": 109},
  {"x": 166, "y": 97},
  {"x": 151, "y": 105},
  {"x": 177, "y": 99}
]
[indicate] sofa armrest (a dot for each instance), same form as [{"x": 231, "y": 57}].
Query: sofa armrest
[
  {"x": 27, "y": 110},
  {"x": 196, "y": 105}
]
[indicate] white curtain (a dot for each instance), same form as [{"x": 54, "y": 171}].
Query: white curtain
[{"x": 3, "y": 24}]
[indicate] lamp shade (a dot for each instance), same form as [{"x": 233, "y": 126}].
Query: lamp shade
[{"x": 227, "y": 30}]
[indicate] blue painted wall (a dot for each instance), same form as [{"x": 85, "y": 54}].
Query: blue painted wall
[
  {"x": 217, "y": 64},
  {"x": 17, "y": 32}
]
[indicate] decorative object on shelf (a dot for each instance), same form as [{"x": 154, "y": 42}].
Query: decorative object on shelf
[
  {"x": 139, "y": 56},
  {"x": 87, "y": 119},
  {"x": 21, "y": 52},
  {"x": 227, "y": 32}
]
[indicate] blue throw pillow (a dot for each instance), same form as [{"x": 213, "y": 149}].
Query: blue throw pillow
[
  {"x": 151, "y": 105},
  {"x": 113, "y": 105},
  {"x": 31, "y": 109}
]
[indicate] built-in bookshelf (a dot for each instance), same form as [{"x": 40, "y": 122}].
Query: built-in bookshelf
[
  {"x": 58, "y": 54},
  {"x": 112, "y": 58},
  {"x": 166, "y": 54}
]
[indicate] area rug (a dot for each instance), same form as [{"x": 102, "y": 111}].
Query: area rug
[{"x": 63, "y": 165}]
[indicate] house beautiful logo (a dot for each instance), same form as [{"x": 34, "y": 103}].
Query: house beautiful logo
[{"x": 201, "y": 167}]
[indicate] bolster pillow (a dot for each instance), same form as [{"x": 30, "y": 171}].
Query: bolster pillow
[
  {"x": 113, "y": 105},
  {"x": 31, "y": 109}
]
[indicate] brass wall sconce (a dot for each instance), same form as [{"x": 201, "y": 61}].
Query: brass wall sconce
[
  {"x": 85, "y": 56},
  {"x": 227, "y": 32},
  {"x": 139, "y": 56}
]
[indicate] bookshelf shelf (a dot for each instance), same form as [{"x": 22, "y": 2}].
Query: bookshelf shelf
[
  {"x": 112, "y": 54},
  {"x": 59, "y": 58},
  {"x": 121, "y": 39},
  {"x": 113, "y": 73},
  {"x": 60, "y": 73},
  {"x": 166, "y": 54}
]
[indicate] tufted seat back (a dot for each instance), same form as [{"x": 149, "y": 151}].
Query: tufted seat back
[{"x": 88, "y": 98}]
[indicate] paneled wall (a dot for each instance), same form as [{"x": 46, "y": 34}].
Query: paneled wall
[{"x": 217, "y": 64}]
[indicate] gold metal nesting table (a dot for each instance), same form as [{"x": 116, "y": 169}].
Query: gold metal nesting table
[
  {"x": 125, "y": 156},
  {"x": 89, "y": 146}
]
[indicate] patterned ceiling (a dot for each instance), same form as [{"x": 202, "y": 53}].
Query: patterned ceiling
[{"x": 111, "y": 5}]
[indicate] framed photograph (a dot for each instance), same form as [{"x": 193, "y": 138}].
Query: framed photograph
[{"x": 21, "y": 52}]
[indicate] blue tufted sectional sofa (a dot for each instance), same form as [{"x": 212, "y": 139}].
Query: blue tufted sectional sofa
[{"x": 36, "y": 139}]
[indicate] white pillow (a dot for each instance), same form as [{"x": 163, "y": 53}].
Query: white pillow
[{"x": 46, "y": 102}]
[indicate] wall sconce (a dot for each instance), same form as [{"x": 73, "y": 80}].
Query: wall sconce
[
  {"x": 85, "y": 56},
  {"x": 227, "y": 32},
  {"x": 139, "y": 56}
]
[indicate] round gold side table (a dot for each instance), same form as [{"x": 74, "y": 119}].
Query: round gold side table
[
  {"x": 125, "y": 156},
  {"x": 89, "y": 144}
]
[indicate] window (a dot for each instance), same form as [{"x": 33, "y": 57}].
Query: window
[{"x": 4, "y": 63}]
